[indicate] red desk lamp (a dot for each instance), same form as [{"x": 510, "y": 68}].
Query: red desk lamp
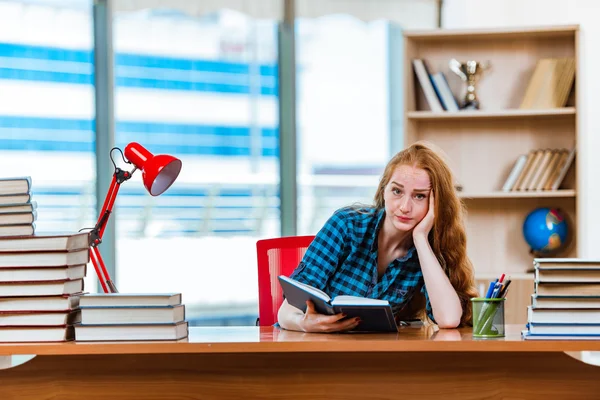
[{"x": 158, "y": 173}]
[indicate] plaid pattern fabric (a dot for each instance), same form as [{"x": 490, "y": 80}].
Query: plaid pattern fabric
[{"x": 342, "y": 260}]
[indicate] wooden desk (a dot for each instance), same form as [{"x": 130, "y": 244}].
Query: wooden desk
[{"x": 251, "y": 362}]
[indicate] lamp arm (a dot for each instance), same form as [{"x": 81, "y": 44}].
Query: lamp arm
[
  {"x": 97, "y": 232},
  {"x": 95, "y": 236}
]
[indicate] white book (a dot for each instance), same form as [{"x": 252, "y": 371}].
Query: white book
[
  {"x": 36, "y": 334},
  {"x": 21, "y": 218},
  {"x": 132, "y": 315},
  {"x": 44, "y": 259},
  {"x": 558, "y": 316},
  {"x": 427, "y": 86},
  {"x": 18, "y": 208},
  {"x": 42, "y": 274},
  {"x": 21, "y": 289},
  {"x": 39, "y": 318},
  {"x": 84, "y": 333},
  {"x": 130, "y": 299},
  {"x": 39, "y": 303},
  {"x": 514, "y": 173},
  {"x": 13, "y": 199},
  {"x": 565, "y": 329},
  {"x": 528, "y": 336},
  {"x": 60, "y": 243},
  {"x": 17, "y": 230},
  {"x": 16, "y": 185}
]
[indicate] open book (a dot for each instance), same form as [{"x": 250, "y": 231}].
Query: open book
[{"x": 375, "y": 315}]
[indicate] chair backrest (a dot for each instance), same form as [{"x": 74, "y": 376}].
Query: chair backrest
[{"x": 277, "y": 256}]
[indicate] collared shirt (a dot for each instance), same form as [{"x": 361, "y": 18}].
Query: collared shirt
[{"x": 342, "y": 260}]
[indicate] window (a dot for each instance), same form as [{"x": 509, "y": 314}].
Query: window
[
  {"x": 204, "y": 90},
  {"x": 47, "y": 109},
  {"x": 343, "y": 114}
]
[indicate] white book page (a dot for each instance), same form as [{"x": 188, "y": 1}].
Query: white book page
[{"x": 347, "y": 300}]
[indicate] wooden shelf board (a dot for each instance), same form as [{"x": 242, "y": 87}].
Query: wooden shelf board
[
  {"x": 511, "y": 276},
  {"x": 502, "y": 33},
  {"x": 518, "y": 195},
  {"x": 498, "y": 114}
]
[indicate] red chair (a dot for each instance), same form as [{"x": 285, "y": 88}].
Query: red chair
[{"x": 278, "y": 256}]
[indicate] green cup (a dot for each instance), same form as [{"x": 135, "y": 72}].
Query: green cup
[{"x": 488, "y": 317}]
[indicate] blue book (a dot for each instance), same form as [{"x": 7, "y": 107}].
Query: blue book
[{"x": 375, "y": 315}]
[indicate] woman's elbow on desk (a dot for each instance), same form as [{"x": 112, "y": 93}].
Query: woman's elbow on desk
[{"x": 447, "y": 322}]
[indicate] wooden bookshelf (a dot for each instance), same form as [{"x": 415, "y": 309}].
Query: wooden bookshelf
[{"x": 483, "y": 145}]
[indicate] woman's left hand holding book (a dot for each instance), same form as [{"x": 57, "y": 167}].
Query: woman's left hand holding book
[{"x": 312, "y": 321}]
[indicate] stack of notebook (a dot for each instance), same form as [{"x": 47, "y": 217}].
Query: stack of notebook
[
  {"x": 566, "y": 300},
  {"x": 41, "y": 280},
  {"x": 17, "y": 211},
  {"x": 131, "y": 317}
]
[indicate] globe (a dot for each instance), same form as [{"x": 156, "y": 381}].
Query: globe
[{"x": 545, "y": 230}]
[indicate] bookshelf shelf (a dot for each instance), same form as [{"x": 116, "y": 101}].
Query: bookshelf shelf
[
  {"x": 482, "y": 146},
  {"x": 499, "y": 114},
  {"x": 519, "y": 194}
]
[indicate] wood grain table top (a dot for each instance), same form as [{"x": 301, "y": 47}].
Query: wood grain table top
[{"x": 253, "y": 339}]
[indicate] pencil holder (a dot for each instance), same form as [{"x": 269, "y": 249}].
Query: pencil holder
[{"x": 488, "y": 317}]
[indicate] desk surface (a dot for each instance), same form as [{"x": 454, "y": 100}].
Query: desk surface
[{"x": 272, "y": 340}]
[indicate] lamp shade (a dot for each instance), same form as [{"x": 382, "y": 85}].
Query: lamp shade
[{"x": 158, "y": 171}]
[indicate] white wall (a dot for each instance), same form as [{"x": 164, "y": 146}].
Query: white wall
[{"x": 506, "y": 13}]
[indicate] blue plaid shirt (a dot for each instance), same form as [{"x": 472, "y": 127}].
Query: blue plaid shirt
[{"x": 342, "y": 260}]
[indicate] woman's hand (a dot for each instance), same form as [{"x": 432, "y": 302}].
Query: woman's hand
[
  {"x": 312, "y": 321},
  {"x": 424, "y": 227}
]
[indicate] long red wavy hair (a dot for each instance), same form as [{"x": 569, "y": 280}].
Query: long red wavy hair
[{"x": 447, "y": 237}]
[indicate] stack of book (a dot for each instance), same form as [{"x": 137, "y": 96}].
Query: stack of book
[
  {"x": 41, "y": 280},
  {"x": 131, "y": 317},
  {"x": 566, "y": 300},
  {"x": 17, "y": 210}
]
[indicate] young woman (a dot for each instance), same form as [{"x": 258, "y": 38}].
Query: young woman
[{"x": 408, "y": 248}]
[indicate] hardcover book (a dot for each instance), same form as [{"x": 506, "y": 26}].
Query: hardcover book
[{"x": 375, "y": 315}]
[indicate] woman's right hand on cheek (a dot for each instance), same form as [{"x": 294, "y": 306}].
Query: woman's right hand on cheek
[{"x": 312, "y": 321}]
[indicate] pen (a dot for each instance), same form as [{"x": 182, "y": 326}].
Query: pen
[
  {"x": 503, "y": 291},
  {"x": 497, "y": 290},
  {"x": 491, "y": 289}
]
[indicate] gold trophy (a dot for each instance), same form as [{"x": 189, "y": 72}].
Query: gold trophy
[{"x": 470, "y": 72}]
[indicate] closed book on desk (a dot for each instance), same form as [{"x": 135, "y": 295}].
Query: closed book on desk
[
  {"x": 52, "y": 288},
  {"x": 565, "y": 329},
  {"x": 17, "y": 230},
  {"x": 567, "y": 288},
  {"x": 39, "y": 318},
  {"x": 538, "y": 301},
  {"x": 562, "y": 316},
  {"x": 19, "y": 218},
  {"x": 43, "y": 259},
  {"x": 131, "y": 332},
  {"x": 16, "y": 185},
  {"x": 42, "y": 274},
  {"x": 40, "y": 303},
  {"x": 37, "y": 334},
  {"x": 66, "y": 242},
  {"x": 132, "y": 315},
  {"x": 375, "y": 315},
  {"x": 18, "y": 208},
  {"x": 528, "y": 336},
  {"x": 130, "y": 299}
]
